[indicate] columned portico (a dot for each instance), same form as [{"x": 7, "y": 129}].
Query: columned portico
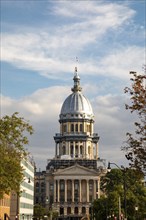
[
  {"x": 82, "y": 189},
  {"x": 78, "y": 191}
]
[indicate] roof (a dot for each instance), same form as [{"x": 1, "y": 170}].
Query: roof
[{"x": 76, "y": 104}]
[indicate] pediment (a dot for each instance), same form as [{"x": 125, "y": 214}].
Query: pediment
[{"x": 76, "y": 170}]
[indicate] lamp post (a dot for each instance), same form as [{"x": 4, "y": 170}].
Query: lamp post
[{"x": 124, "y": 185}]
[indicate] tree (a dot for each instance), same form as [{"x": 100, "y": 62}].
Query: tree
[
  {"x": 12, "y": 140},
  {"x": 136, "y": 144},
  {"x": 39, "y": 212},
  {"x": 112, "y": 186}
]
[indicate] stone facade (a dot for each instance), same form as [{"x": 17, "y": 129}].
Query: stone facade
[
  {"x": 72, "y": 177},
  {"x": 40, "y": 188}
]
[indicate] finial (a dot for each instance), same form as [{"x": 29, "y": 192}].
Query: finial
[
  {"x": 76, "y": 69},
  {"x": 76, "y": 79}
]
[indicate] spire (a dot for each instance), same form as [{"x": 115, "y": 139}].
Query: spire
[{"x": 76, "y": 79}]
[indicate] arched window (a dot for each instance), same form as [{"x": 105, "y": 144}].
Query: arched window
[
  {"x": 71, "y": 149},
  {"x": 72, "y": 127},
  {"x": 63, "y": 150},
  {"x": 83, "y": 210},
  {"x": 61, "y": 211},
  {"x": 76, "y": 127},
  {"x": 76, "y": 210},
  {"x": 68, "y": 210},
  {"x": 81, "y": 127},
  {"x": 37, "y": 184},
  {"x": 76, "y": 151}
]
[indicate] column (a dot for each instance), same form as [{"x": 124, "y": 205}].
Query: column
[
  {"x": 87, "y": 190},
  {"x": 99, "y": 188},
  {"x": 84, "y": 130},
  {"x": 91, "y": 128},
  {"x": 72, "y": 190},
  {"x": 58, "y": 199},
  {"x": 54, "y": 191},
  {"x": 65, "y": 190},
  {"x": 84, "y": 150},
  {"x": 80, "y": 191},
  {"x": 56, "y": 150},
  {"x": 86, "y": 147},
  {"x": 96, "y": 150}
]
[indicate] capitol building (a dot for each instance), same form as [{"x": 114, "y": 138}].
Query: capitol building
[{"x": 72, "y": 178}]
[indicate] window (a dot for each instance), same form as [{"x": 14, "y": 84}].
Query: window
[
  {"x": 64, "y": 128},
  {"x": 37, "y": 190},
  {"x": 42, "y": 184},
  {"x": 81, "y": 149},
  {"x": 90, "y": 186},
  {"x": 76, "y": 127},
  {"x": 71, "y": 149},
  {"x": 51, "y": 187},
  {"x": 37, "y": 184},
  {"x": 81, "y": 127},
  {"x": 62, "y": 185},
  {"x": 76, "y": 151},
  {"x": 42, "y": 189},
  {"x": 76, "y": 185},
  {"x": 72, "y": 127},
  {"x": 63, "y": 150}
]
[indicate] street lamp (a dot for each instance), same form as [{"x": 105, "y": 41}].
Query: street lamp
[
  {"x": 124, "y": 184},
  {"x": 136, "y": 212}
]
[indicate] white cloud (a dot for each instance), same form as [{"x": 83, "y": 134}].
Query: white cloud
[
  {"x": 22, "y": 52},
  {"x": 50, "y": 51},
  {"x": 43, "y": 107},
  {"x": 83, "y": 31}
]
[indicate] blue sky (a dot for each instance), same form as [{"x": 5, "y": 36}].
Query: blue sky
[{"x": 40, "y": 42}]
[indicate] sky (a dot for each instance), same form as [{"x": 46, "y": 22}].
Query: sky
[{"x": 40, "y": 40}]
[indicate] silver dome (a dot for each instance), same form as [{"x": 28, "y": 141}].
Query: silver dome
[{"x": 76, "y": 104}]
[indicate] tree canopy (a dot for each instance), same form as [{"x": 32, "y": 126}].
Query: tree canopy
[
  {"x": 135, "y": 147},
  {"x": 115, "y": 195},
  {"x": 13, "y": 137}
]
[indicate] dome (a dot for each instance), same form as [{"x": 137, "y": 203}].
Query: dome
[{"x": 76, "y": 104}]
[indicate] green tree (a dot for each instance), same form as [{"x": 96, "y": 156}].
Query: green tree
[
  {"x": 39, "y": 211},
  {"x": 100, "y": 209},
  {"x": 12, "y": 140},
  {"x": 136, "y": 144},
  {"x": 112, "y": 186}
]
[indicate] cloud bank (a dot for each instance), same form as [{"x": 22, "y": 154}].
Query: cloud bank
[{"x": 109, "y": 42}]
